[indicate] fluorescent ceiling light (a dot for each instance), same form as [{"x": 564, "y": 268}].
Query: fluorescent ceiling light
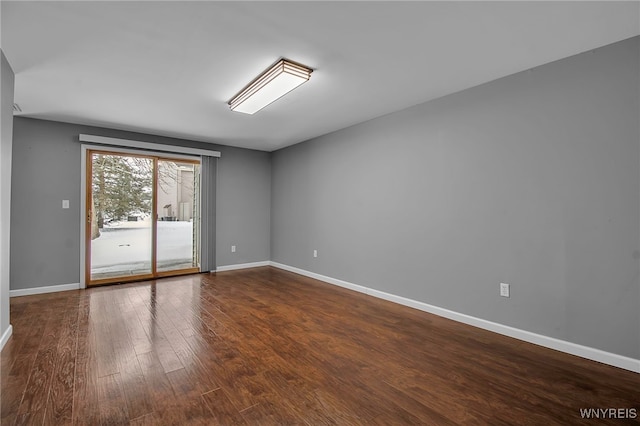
[{"x": 269, "y": 86}]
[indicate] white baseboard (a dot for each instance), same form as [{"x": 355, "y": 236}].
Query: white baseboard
[
  {"x": 242, "y": 266},
  {"x": 5, "y": 336},
  {"x": 527, "y": 336},
  {"x": 42, "y": 290}
]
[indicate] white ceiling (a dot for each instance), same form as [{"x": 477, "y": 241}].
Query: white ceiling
[{"x": 168, "y": 68}]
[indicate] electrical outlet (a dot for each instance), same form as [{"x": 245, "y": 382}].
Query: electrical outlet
[
  {"x": 504, "y": 289},
  {"x": 315, "y": 253},
  {"x": 233, "y": 249},
  {"x": 65, "y": 204}
]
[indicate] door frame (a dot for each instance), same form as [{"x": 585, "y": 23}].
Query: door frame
[{"x": 84, "y": 235}]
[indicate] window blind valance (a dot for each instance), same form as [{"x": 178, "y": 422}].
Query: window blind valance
[{"x": 158, "y": 147}]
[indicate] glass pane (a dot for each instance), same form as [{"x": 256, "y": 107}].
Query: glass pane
[
  {"x": 121, "y": 223},
  {"x": 178, "y": 221}
]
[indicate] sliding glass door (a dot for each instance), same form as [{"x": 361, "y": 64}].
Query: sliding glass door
[
  {"x": 142, "y": 217},
  {"x": 177, "y": 212}
]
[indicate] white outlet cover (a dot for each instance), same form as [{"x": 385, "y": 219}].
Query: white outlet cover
[
  {"x": 504, "y": 289},
  {"x": 65, "y": 204},
  {"x": 233, "y": 249}
]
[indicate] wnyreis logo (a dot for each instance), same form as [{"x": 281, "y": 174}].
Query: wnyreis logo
[{"x": 609, "y": 413}]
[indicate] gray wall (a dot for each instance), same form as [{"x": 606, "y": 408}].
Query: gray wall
[
  {"x": 6, "y": 140},
  {"x": 533, "y": 180},
  {"x": 244, "y": 206},
  {"x": 45, "y": 239}
]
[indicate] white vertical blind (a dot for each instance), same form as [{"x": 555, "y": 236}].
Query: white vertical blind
[{"x": 208, "y": 170}]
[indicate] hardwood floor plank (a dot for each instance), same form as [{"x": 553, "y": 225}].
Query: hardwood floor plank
[
  {"x": 188, "y": 399},
  {"x": 18, "y": 357},
  {"x": 85, "y": 398},
  {"x": 106, "y": 360},
  {"x": 59, "y": 409},
  {"x": 111, "y": 399},
  {"x": 33, "y": 404},
  {"x": 223, "y": 412},
  {"x": 150, "y": 419},
  {"x": 265, "y": 346},
  {"x": 165, "y": 402},
  {"x": 269, "y": 413},
  {"x": 135, "y": 388},
  {"x": 158, "y": 328}
]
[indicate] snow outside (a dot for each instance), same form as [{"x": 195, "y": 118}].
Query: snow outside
[{"x": 124, "y": 248}]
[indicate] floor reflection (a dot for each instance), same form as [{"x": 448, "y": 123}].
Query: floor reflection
[{"x": 150, "y": 326}]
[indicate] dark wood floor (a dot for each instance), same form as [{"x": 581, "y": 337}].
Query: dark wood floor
[{"x": 264, "y": 346}]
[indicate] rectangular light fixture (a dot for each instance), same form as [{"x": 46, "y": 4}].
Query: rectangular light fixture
[{"x": 272, "y": 84}]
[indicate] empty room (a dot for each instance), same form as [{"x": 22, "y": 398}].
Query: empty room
[{"x": 320, "y": 213}]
